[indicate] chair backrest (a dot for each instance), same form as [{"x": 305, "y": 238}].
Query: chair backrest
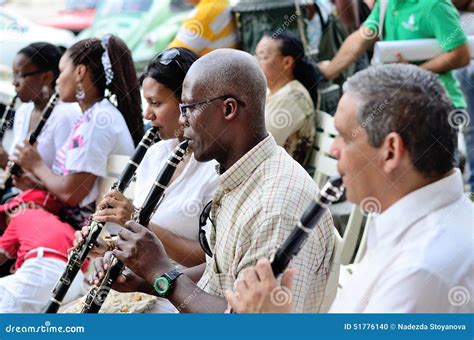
[
  {"x": 333, "y": 279},
  {"x": 326, "y": 166},
  {"x": 115, "y": 166}
]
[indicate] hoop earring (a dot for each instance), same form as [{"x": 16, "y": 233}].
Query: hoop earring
[{"x": 80, "y": 94}]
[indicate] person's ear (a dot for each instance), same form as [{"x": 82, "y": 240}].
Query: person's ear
[
  {"x": 80, "y": 72},
  {"x": 48, "y": 78},
  {"x": 230, "y": 108},
  {"x": 393, "y": 152},
  {"x": 288, "y": 62}
]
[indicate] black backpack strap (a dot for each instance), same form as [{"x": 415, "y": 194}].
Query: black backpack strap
[{"x": 324, "y": 24}]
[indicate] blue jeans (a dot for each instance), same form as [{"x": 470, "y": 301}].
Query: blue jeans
[{"x": 466, "y": 78}]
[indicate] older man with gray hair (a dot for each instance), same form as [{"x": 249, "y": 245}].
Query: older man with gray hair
[{"x": 395, "y": 149}]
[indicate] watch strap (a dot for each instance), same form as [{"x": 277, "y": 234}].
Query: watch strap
[{"x": 173, "y": 274}]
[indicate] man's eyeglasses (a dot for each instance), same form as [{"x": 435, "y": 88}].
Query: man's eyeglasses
[
  {"x": 167, "y": 57},
  {"x": 29, "y": 74},
  {"x": 206, "y": 214},
  {"x": 184, "y": 109}
]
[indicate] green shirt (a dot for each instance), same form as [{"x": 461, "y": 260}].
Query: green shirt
[{"x": 424, "y": 19}]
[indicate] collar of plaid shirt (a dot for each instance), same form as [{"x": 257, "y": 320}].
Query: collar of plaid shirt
[
  {"x": 256, "y": 205},
  {"x": 245, "y": 166}
]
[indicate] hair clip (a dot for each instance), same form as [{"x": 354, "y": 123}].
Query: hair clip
[{"x": 109, "y": 73}]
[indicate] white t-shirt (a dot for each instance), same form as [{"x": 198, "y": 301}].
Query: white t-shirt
[
  {"x": 55, "y": 132},
  {"x": 100, "y": 132},
  {"x": 186, "y": 196}
]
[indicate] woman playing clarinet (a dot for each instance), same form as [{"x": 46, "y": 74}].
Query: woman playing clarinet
[
  {"x": 93, "y": 73},
  {"x": 35, "y": 70}
]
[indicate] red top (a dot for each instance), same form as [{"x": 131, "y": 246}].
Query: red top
[{"x": 33, "y": 228}]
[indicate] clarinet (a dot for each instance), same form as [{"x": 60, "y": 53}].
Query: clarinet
[
  {"x": 97, "y": 295},
  {"x": 78, "y": 256},
  {"x": 13, "y": 168},
  {"x": 330, "y": 193},
  {"x": 7, "y": 117}
]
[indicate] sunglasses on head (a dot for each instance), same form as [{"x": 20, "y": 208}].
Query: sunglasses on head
[{"x": 168, "y": 56}]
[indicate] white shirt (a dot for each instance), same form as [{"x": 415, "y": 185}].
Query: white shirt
[
  {"x": 55, "y": 132},
  {"x": 100, "y": 132},
  {"x": 419, "y": 256},
  {"x": 186, "y": 196}
]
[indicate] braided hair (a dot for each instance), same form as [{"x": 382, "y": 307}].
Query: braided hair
[{"x": 124, "y": 85}]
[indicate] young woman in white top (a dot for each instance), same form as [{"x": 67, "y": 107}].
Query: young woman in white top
[
  {"x": 89, "y": 69},
  {"x": 176, "y": 221},
  {"x": 292, "y": 93},
  {"x": 35, "y": 70}
]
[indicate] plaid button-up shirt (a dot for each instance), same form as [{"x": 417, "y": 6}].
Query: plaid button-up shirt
[{"x": 256, "y": 205}]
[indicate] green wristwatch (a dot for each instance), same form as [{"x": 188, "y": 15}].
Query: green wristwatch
[{"x": 164, "y": 284}]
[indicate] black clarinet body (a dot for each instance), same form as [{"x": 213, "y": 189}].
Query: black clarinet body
[
  {"x": 330, "y": 193},
  {"x": 97, "y": 295},
  {"x": 7, "y": 117},
  {"x": 13, "y": 168},
  {"x": 78, "y": 256}
]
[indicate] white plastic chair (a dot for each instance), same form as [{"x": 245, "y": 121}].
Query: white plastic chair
[
  {"x": 115, "y": 166},
  {"x": 326, "y": 166}
]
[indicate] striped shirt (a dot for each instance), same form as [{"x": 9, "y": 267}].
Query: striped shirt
[
  {"x": 256, "y": 205},
  {"x": 210, "y": 26}
]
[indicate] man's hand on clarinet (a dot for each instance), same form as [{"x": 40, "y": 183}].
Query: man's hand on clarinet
[
  {"x": 128, "y": 281},
  {"x": 142, "y": 251},
  {"x": 257, "y": 291}
]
